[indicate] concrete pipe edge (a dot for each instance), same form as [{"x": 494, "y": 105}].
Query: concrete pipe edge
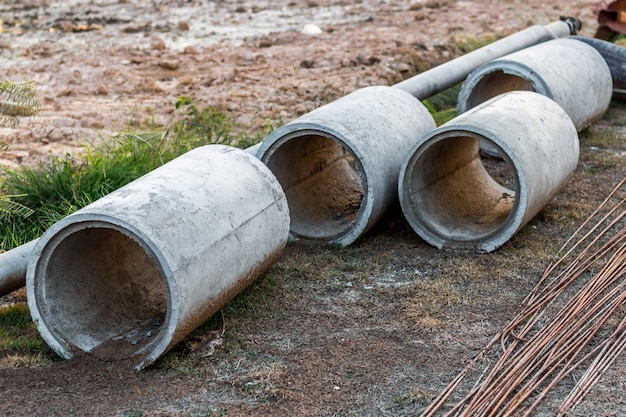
[
  {"x": 448, "y": 196},
  {"x": 339, "y": 164},
  {"x": 132, "y": 274},
  {"x": 566, "y": 70}
]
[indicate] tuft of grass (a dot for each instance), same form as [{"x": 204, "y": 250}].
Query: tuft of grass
[
  {"x": 20, "y": 343},
  {"x": 37, "y": 197},
  {"x": 428, "y": 310},
  {"x": 442, "y": 106},
  {"x": 469, "y": 43}
]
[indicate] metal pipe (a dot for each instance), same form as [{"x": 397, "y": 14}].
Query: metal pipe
[
  {"x": 446, "y": 75},
  {"x": 339, "y": 164},
  {"x": 13, "y": 264},
  {"x": 451, "y": 196},
  {"x": 133, "y": 273}
]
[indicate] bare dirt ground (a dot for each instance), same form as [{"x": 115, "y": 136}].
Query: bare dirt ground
[{"x": 375, "y": 329}]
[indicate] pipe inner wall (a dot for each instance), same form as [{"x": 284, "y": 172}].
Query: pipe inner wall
[
  {"x": 451, "y": 195},
  {"x": 132, "y": 274},
  {"x": 325, "y": 189},
  {"x": 104, "y": 291}
]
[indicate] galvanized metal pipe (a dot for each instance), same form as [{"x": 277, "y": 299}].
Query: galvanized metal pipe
[
  {"x": 446, "y": 75},
  {"x": 133, "y": 273}
]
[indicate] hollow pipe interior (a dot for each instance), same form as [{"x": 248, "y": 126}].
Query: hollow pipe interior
[
  {"x": 104, "y": 292},
  {"x": 324, "y": 189},
  {"x": 458, "y": 196},
  {"x": 495, "y": 83}
]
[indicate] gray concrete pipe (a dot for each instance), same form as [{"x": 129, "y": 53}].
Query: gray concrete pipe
[
  {"x": 438, "y": 79},
  {"x": 13, "y": 263},
  {"x": 569, "y": 71},
  {"x": 133, "y": 273},
  {"x": 339, "y": 164},
  {"x": 452, "y": 197}
]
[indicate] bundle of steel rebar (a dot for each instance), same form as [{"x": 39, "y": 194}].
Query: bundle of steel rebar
[{"x": 569, "y": 321}]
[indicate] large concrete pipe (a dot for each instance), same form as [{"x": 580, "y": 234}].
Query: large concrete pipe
[
  {"x": 452, "y": 197},
  {"x": 133, "y": 273},
  {"x": 339, "y": 164},
  {"x": 569, "y": 71}
]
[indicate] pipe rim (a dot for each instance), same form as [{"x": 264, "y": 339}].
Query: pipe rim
[
  {"x": 43, "y": 252},
  {"x": 493, "y": 238},
  {"x": 488, "y": 72},
  {"x": 300, "y": 131}
]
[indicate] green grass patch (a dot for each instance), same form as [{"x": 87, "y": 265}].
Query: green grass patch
[
  {"x": 442, "y": 106},
  {"x": 19, "y": 336},
  {"x": 34, "y": 198}
]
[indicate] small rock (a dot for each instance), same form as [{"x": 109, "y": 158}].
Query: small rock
[
  {"x": 136, "y": 28},
  {"x": 311, "y": 29},
  {"x": 169, "y": 64},
  {"x": 190, "y": 50},
  {"x": 183, "y": 25},
  {"x": 265, "y": 43},
  {"x": 158, "y": 44}
]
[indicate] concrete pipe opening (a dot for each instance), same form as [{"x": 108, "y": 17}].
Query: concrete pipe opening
[
  {"x": 324, "y": 189},
  {"x": 339, "y": 164},
  {"x": 133, "y": 273},
  {"x": 566, "y": 70},
  {"x": 103, "y": 291},
  {"x": 498, "y": 82},
  {"x": 461, "y": 195},
  {"x": 451, "y": 195}
]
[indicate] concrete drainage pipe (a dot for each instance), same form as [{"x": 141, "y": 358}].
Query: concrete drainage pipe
[
  {"x": 566, "y": 70},
  {"x": 133, "y": 273},
  {"x": 452, "y": 197},
  {"x": 339, "y": 164}
]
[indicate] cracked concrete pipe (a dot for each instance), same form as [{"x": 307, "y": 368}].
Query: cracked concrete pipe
[
  {"x": 339, "y": 164},
  {"x": 569, "y": 71},
  {"x": 452, "y": 197},
  {"x": 132, "y": 274}
]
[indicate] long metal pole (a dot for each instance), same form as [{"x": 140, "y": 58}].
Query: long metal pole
[
  {"x": 444, "y": 76},
  {"x": 13, "y": 265}
]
